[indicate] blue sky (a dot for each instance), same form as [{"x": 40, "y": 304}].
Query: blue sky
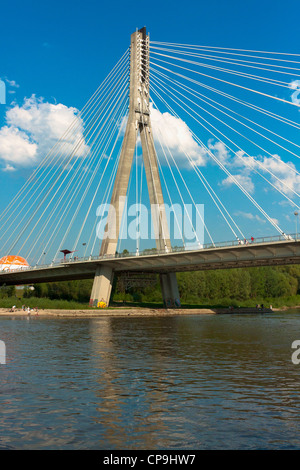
[{"x": 62, "y": 50}]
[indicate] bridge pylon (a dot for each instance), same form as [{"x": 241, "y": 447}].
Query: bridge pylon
[{"x": 138, "y": 123}]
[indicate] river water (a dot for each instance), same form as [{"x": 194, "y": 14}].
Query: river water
[{"x": 181, "y": 382}]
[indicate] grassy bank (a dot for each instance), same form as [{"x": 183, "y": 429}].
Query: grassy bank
[
  {"x": 42, "y": 303},
  {"x": 45, "y": 303},
  {"x": 277, "y": 302}
]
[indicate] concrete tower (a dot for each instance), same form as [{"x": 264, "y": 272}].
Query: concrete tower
[{"x": 138, "y": 122}]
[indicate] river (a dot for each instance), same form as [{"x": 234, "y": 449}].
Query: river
[{"x": 180, "y": 382}]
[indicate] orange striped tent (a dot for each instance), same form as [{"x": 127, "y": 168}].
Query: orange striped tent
[{"x": 11, "y": 262}]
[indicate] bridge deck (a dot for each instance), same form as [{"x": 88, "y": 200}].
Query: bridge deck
[{"x": 278, "y": 252}]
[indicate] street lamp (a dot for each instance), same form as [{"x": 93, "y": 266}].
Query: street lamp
[{"x": 296, "y": 215}]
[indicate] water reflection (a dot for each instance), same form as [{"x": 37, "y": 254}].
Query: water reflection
[{"x": 189, "y": 382}]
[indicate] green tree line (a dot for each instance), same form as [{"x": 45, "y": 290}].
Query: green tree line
[{"x": 241, "y": 284}]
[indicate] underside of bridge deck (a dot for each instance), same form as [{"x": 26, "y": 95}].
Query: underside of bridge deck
[{"x": 272, "y": 254}]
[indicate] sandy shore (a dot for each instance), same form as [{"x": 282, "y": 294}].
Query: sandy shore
[
  {"x": 124, "y": 312},
  {"x": 117, "y": 312}
]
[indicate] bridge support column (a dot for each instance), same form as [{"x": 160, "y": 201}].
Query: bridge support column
[
  {"x": 138, "y": 122},
  {"x": 102, "y": 286},
  {"x": 169, "y": 289}
]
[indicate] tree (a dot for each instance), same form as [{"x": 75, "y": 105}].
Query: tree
[{"x": 7, "y": 291}]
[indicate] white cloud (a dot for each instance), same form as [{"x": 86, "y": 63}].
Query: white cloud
[
  {"x": 220, "y": 151},
  {"x": 16, "y": 147},
  {"x": 288, "y": 180},
  {"x": 12, "y": 83},
  {"x": 8, "y": 167},
  {"x": 174, "y": 134},
  {"x": 254, "y": 218},
  {"x": 244, "y": 180},
  {"x": 32, "y": 129},
  {"x": 281, "y": 174},
  {"x": 250, "y": 216},
  {"x": 276, "y": 221},
  {"x": 283, "y": 203}
]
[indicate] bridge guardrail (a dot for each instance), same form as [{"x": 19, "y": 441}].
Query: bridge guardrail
[{"x": 155, "y": 252}]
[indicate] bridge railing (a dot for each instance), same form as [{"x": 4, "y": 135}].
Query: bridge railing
[{"x": 155, "y": 252}]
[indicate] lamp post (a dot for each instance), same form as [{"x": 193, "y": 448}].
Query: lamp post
[{"x": 296, "y": 215}]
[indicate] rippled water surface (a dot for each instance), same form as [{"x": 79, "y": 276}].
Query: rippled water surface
[{"x": 183, "y": 382}]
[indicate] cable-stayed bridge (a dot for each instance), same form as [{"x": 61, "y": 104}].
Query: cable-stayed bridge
[{"x": 173, "y": 129}]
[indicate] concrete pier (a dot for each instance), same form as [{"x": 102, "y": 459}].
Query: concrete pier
[{"x": 138, "y": 122}]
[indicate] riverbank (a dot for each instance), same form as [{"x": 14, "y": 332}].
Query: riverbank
[
  {"x": 130, "y": 311},
  {"x": 116, "y": 312}
]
